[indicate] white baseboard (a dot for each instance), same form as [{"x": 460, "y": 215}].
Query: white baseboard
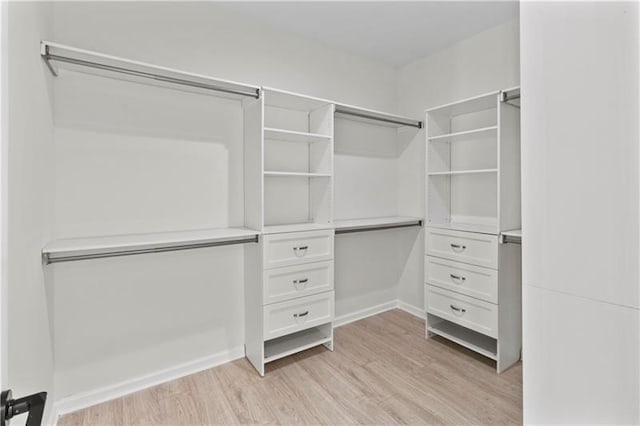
[
  {"x": 97, "y": 396},
  {"x": 52, "y": 417},
  {"x": 364, "y": 313},
  {"x": 107, "y": 393},
  {"x": 413, "y": 310}
]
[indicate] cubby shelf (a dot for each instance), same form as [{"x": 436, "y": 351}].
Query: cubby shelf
[
  {"x": 296, "y": 174},
  {"x": 468, "y": 338},
  {"x": 294, "y": 343},
  {"x": 462, "y": 172},
  {"x": 452, "y": 137},
  {"x": 293, "y": 136}
]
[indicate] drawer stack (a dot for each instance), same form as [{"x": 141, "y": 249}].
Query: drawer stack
[
  {"x": 290, "y": 305},
  {"x": 469, "y": 298}
]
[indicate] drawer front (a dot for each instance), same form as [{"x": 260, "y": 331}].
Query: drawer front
[
  {"x": 474, "y": 281},
  {"x": 298, "y": 314},
  {"x": 297, "y": 248},
  {"x": 463, "y": 310},
  {"x": 291, "y": 282},
  {"x": 467, "y": 247}
]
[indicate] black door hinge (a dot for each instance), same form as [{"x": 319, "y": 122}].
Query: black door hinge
[{"x": 33, "y": 404}]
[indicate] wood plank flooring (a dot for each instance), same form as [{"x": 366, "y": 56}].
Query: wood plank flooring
[{"x": 383, "y": 371}]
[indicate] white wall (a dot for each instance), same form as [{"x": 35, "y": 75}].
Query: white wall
[
  {"x": 122, "y": 318},
  {"x": 580, "y": 82},
  {"x": 28, "y": 169},
  {"x": 486, "y": 62}
]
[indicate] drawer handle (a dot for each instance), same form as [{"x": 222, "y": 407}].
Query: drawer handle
[
  {"x": 301, "y": 315},
  {"x": 454, "y": 308},
  {"x": 458, "y": 279},
  {"x": 300, "y": 251},
  {"x": 300, "y": 284},
  {"x": 458, "y": 248}
]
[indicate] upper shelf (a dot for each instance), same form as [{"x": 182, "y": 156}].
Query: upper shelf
[
  {"x": 289, "y": 100},
  {"x": 452, "y": 137},
  {"x": 467, "y": 106},
  {"x": 293, "y": 136},
  {"x": 98, "y": 63},
  {"x": 122, "y": 245},
  {"x": 381, "y": 118}
]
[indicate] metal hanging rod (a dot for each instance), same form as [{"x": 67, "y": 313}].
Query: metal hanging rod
[
  {"x": 377, "y": 227},
  {"x": 48, "y": 258},
  {"x": 222, "y": 86},
  {"x": 507, "y": 96},
  {"x": 377, "y": 116}
]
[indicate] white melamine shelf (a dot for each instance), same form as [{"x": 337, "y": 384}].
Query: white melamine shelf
[
  {"x": 289, "y": 100},
  {"x": 296, "y": 174},
  {"x": 467, "y": 106},
  {"x": 467, "y": 227},
  {"x": 293, "y": 343},
  {"x": 462, "y": 172},
  {"x": 117, "y": 245},
  {"x": 353, "y": 225},
  {"x": 295, "y": 227},
  {"x": 381, "y": 118},
  {"x": 511, "y": 236},
  {"x": 470, "y": 339},
  {"x": 293, "y": 136},
  {"x": 452, "y": 137}
]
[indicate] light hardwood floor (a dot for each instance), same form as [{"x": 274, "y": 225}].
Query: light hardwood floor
[{"x": 382, "y": 371}]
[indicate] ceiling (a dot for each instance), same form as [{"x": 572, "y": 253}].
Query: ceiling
[{"x": 394, "y": 32}]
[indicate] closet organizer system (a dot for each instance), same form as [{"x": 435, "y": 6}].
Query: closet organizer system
[
  {"x": 472, "y": 268},
  {"x": 288, "y": 227}
]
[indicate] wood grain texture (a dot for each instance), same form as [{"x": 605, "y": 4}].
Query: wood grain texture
[{"x": 383, "y": 371}]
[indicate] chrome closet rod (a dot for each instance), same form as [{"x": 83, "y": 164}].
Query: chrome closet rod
[
  {"x": 417, "y": 124},
  {"x": 378, "y": 227},
  {"x": 49, "y": 57},
  {"x": 117, "y": 253}
]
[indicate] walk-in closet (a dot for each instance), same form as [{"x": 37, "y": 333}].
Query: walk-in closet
[{"x": 319, "y": 212}]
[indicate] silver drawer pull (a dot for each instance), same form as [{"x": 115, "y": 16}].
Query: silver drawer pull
[
  {"x": 458, "y": 278},
  {"x": 458, "y": 248},
  {"x": 457, "y": 309},
  {"x": 300, "y": 251},
  {"x": 303, "y": 314},
  {"x": 302, "y": 281}
]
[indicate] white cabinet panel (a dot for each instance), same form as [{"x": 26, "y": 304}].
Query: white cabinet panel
[
  {"x": 467, "y": 247},
  {"x": 581, "y": 360},
  {"x": 474, "y": 281},
  {"x": 297, "y": 281}
]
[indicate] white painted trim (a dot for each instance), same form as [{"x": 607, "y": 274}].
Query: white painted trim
[
  {"x": 86, "y": 399},
  {"x": 410, "y": 309},
  {"x": 364, "y": 313},
  {"x": 52, "y": 418}
]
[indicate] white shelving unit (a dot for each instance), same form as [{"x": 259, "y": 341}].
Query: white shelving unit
[{"x": 473, "y": 196}]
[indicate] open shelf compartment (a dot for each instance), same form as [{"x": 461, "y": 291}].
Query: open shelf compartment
[
  {"x": 290, "y": 344},
  {"x": 470, "y": 339}
]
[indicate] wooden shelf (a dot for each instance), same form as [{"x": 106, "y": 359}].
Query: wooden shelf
[
  {"x": 453, "y": 137},
  {"x": 470, "y": 339},
  {"x": 295, "y": 227},
  {"x": 121, "y": 245},
  {"x": 462, "y": 172},
  {"x": 293, "y": 343},
  {"x": 296, "y": 174},
  {"x": 467, "y": 227},
  {"x": 293, "y": 136},
  {"x": 375, "y": 223}
]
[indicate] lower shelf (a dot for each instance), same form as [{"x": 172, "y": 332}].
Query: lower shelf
[
  {"x": 470, "y": 339},
  {"x": 290, "y": 344}
]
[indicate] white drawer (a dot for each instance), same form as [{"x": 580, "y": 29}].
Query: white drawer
[
  {"x": 297, "y": 314},
  {"x": 468, "y": 312},
  {"x": 297, "y": 247},
  {"x": 474, "y": 281},
  {"x": 468, "y": 247},
  {"x": 297, "y": 281}
]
